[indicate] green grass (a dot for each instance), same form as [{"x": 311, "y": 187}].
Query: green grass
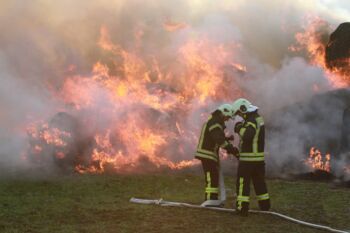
[{"x": 100, "y": 203}]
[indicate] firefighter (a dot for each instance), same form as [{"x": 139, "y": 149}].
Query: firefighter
[
  {"x": 251, "y": 166},
  {"x": 211, "y": 139}
]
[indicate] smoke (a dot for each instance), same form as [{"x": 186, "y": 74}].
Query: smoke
[
  {"x": 17, "y": 100},
  {"x": 187, "y": 48}
]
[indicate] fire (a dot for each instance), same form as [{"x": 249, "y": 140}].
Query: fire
[
  {"x": 105, "y": 155},
  {"x": 171, "y": 26},
  {"x": 46, "y": 139},
  {"x": 198, "y": 57},
  {"x": 136, "y": 110},
  {"x": 317, "y": 161},
  {"x": 51, "y": 136},
  {"x": 313, "y": 40}
]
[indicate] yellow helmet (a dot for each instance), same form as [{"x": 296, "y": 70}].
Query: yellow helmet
[
  {"x": 243, "y": 105},
  {"x": 226, "y": 110}
]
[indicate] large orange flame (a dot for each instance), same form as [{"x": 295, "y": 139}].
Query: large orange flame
[
  {"x": 145, "y": 103},
  {"x": 313, "y": 40}
]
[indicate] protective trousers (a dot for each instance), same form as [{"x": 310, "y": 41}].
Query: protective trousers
[
  {"x": 254, "y": 171},
  {"x": 211, "y": 173}
]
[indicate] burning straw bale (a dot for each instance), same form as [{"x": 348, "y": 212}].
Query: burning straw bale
[
  {"x": 59, "y": 141},
  {"x": 146, "y": 76},
  {"x": 320, "y": 122},
  {"x": 338, "y": 49}
]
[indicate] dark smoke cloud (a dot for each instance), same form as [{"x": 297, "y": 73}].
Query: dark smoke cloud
[{"x": 41, "y": 40}]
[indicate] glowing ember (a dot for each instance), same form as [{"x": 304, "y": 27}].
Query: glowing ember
[
  {"x": 47, "y": 143},
  {"x": 51, "y": 136},
  {"x": 317, "y": 161}
]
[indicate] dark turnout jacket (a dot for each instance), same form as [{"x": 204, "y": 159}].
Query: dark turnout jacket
[
  {"x": 252, "y": 133},
  {"x": 212, "y": 138}
]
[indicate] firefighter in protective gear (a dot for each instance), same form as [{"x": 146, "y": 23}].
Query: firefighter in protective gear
[
  {"x": 251, "y": 165},
  {"x": 211, "y": 139}
]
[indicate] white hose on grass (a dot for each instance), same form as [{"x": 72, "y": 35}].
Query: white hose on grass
[{"x": 161, "y": 202}]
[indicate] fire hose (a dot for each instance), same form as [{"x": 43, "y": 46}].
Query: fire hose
[{"x": 162, "y": 202}]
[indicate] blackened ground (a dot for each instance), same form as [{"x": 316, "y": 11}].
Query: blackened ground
[{"x": 317, "y": 175}]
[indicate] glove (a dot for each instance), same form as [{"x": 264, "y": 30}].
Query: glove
[
  {"x": 232, "y": 150},
  {"x": 230, "y": 138},
  {"x": 238, "y": 127},
  {"x": 235, "y": 152}
]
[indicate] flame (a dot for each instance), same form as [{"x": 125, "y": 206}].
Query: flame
[
  {"x": 45, "y": 139},
  {"x": 313, "y": 40},
  {"x": 317, "y": 161},
  {"x": 198, "y": 56},
  {"x": 143, "y": 104},
  {"x": 105, "y": 155},
  {"x": 171, "y": 26},
  {"x": 51, "y": 136}
]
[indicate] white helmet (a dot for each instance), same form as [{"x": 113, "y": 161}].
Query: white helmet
[
  {"x": 226, "y": 110},
  {"x": 243, "y": 105}
]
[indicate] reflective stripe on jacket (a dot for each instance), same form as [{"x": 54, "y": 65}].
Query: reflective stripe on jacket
[
  {"x": 212, "y": 138},
  {"x": 252, "y": 135}
]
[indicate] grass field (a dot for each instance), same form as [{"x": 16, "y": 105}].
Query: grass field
[{"x": 100, "y": 203}]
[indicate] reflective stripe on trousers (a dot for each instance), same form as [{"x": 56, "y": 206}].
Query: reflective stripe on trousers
[
  {"x": 209, "y": 189},
  {"x": 263, "y": 197},
  {"x": 240, "y": 197}
]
